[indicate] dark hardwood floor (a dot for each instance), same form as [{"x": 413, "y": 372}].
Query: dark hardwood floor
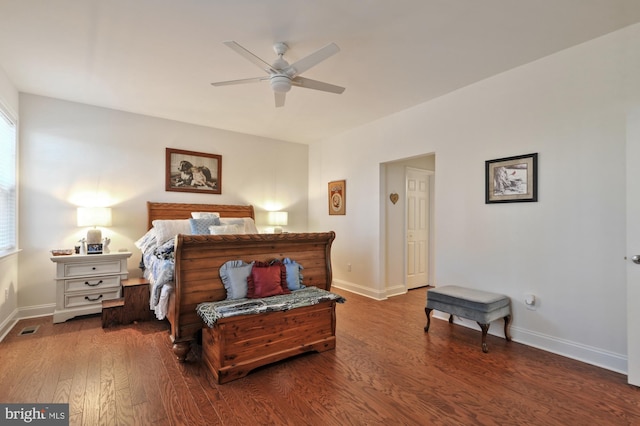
[{"x": 385, "y": 370}]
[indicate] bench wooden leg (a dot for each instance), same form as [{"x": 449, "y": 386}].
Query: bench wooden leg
[
  {"x": 428, "y": 312},
  {"x": 507, "y": 335},
  {"x": 485, "y": 329}
]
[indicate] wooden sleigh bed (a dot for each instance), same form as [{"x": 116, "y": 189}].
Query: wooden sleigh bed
[{"x": 234, "y": 346}]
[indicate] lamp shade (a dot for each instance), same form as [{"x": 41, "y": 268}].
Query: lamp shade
[
  {"x": 94, "y": 216},
  {"x": 278, "y": 218}
]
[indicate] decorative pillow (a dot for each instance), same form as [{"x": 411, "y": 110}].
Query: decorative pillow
[
  {"x": 225, "y": 230},
  {"x": 201, "y": 226},
  {"x": 267, "y": 279},
  {"x": 168, "y": 229},
  {"x": 294, "y": 277},
  {"x": 205, "y": 215},
  {"x": 238, "y": 221},
  {"x": 234, "y": 275}
]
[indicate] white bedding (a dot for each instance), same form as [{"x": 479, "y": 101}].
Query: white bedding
[{"x": 159, "y": 262}]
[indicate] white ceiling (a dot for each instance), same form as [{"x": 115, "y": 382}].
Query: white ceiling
[{"x": 158, "y": 57}]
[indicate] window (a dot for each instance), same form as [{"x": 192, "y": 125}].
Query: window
[{"x": 7, "y": 183}]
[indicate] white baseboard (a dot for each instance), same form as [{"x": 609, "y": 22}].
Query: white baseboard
[
  {"x": 7, "y": 324},
  {"x": 588, "y": 354},
  {"x": 567, "y": 348},
  {"x": 24, "y": 313},
  {"x": 37, "y": 311},
  {"x": 396, "y": 290},
  {"x": 358, "y": 289}
]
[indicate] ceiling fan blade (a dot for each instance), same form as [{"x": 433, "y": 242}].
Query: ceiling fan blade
[
  {"x": 308, "y": 83},
  {"x": 241, "y": 81},
  {"x": 265, "y": 66},
  {"x": 311, "y": 60},
  {"x": 279, "y": 98}
]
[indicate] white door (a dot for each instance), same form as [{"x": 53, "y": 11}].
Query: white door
[
  {"x": 633, "y": 247},
  {"x": 417, "y": 188}
]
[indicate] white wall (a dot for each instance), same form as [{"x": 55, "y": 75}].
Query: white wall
[
  {"x": 568, "y": 248},
  {"x": 69, "y": 149},
  {"x": 8, "y": 264}
]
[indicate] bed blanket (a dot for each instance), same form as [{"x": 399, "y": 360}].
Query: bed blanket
[{"x": 211, "y": 312}]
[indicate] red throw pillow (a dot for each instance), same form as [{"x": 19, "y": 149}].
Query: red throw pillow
[{"x": 267, "y": 280}]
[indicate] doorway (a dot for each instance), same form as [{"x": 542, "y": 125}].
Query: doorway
[{"x": 394, "y": 225}]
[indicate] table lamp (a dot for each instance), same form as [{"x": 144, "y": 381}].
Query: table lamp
[{"x": 278, "y": 220}]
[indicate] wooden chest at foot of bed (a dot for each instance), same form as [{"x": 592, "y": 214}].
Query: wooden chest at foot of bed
[{"x": 237, "y": 345}]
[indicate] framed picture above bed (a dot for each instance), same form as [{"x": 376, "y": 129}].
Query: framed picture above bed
[
  {"x": 337, "y": 197},
  {"x": 189, "y": 171}
]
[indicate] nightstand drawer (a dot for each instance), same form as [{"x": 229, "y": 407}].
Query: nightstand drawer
[
  {"x": 91, "y": 283},
  {"x": 85, "y": 299},
  {"x": 91, "y": 268}
]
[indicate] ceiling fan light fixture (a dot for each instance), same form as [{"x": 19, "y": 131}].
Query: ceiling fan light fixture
[
  {"x": 280, "y": 83},
  {"x": 281, "y": 75}
]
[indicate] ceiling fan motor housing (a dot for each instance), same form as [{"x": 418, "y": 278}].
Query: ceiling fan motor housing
[{"x": 280, "y": 83}]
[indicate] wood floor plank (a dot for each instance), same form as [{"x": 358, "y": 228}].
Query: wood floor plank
[
  {"x": 148, "y": 366},
  {"x": 190, "y": 409},
  {"x": 124, "y": 409},
  {"x": 384, "y": 370},
  {"x": 91, "y": 402},
  {"x": 107, "y": 387},
  {"x": 173, "y": 407}
]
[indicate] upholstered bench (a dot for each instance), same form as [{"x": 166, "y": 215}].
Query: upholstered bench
[{"x": 477, "y": 305}]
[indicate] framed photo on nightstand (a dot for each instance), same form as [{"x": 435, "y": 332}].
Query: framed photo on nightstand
[{"x": 94, "y": 248}]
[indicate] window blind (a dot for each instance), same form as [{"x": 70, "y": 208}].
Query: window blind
[{"x": 7, "y": 183}]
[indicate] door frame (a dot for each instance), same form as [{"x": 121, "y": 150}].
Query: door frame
[{"x": 633, "y": 246}]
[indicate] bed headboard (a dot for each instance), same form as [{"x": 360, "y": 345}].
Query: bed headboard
[{"x": 183, "y": 211}]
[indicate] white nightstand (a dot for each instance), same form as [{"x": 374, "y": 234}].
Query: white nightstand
[{"x": 84, "y": 281}]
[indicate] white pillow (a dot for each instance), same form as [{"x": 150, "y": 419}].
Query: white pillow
[
  {"x": 250, "y": 226},
  {"x": 238, "y": 221},
  {"x": 205, "y": 215},
  {"x": 168, "y": 229},
  {"x": 225, "y": 229},
  {"x": 246, "y": 224}
]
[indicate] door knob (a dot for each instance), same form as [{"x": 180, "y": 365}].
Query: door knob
[{"x": 636, "y": 258}]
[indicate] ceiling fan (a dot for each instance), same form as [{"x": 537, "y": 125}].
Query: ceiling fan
[{"x": 281, "y": 74}]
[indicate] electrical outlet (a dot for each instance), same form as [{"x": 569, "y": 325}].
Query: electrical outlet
[
  {"x": 348, "y": 267},
  {"x": 530, "y": 301},
  {"x": 6, "y": 294}
]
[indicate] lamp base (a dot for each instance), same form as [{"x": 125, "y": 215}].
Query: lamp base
[{"x": 94, "y": 236}]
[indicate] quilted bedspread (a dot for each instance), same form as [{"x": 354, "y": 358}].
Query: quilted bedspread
[{"x": 211, "y": 312}]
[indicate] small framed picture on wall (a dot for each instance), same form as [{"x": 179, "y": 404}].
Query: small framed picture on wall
[
  {"x": 512, "y": 179},
  {"x": 337, "y": 197}
]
